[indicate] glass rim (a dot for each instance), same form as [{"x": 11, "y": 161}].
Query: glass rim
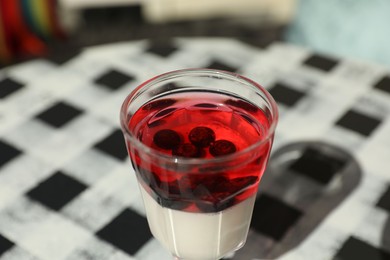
[{"x": 193, "y": 161}]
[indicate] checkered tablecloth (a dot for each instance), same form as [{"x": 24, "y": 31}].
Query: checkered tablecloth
[{"x": 67, "y": 190}]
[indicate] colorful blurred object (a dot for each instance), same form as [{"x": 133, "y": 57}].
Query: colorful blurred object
[{"x": 26, "y": 28}]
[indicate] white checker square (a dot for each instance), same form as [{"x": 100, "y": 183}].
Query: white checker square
[
  {"x": 59, "y": 149},
  {"x": 374, "y": 104},
  {"x": 260, "y": 71},
  {"x": 23, "y": 173},
  {"x": 310, "y": 75},
  {"x": 345, "y": 139},
  {"x": 29, "y": 134},
  {"x": 9, "y": 119},
  {"x": 300, "y": 79},
  {"x": 137, "y": 67},
  {"x": 372, "y": 227},
  {"x": 32, "y": 70},
  {"x": 96, "y": 249},
  {"x": 87, "y": 128},
  {"x": 55, "y": 239},
  {"x": 59, "y": 83},
  {"x": 153, "y": 250},
  {"x": 151, "y": 64},
  {"x": 372, "y": 187},
  {"x": 26, "y": 102},
  {"x": 186, "y": 59},
  {"x": 87, "y": 96},
  {"x": 348, "y": 87},
  {"x": 374, "y": 158},
  {"x": 297, "y": 126},
  {"x": 40, "y": 231},
  {"x": 7, "y": 195},
  {"x": 116, "y": 50},
  {"x": 286, "y": 56},
  {"x": 233, "y": 54},
  {"x": 90, "y": 166},
  {"x": 334, "y": 91},
  {"x": 18, "y": 253},
  {"x": 359, "y": 72},
  {"x": 189, "y": 57},
  {"x": 93, "y": 209},
  {"x": 319, "y": 111},
  {"x": 382, "y": 136},
  {"x": 296, "y": 53},
  {"x": 200, "y": 43},
  {"x": 341, "y": 219},
  {"x": 284, "y": 111},
  {"x": 121, "y": 184},
  {"x": 109, "y": 109},
  {"x": 87, "y": 68}
]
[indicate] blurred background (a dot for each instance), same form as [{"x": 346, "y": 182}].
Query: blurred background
[{"x": 352, "y": 28}]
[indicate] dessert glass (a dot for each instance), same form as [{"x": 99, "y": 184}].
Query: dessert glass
[{"x": 199, "y": 141}]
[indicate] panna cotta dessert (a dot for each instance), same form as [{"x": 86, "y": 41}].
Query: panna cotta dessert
[{"x": 197, "y": 179}]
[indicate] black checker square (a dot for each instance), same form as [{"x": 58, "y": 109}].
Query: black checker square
[
  {"x": 163, "y": 49},
  {"x": 113, "y": 145},
  {"x": 321, "y": 62},
  {"x": 286, "y": 95},
  {"x": 7, "y": 152},
  {"x": 384, "y": 201},
  {"x": 56, "y": 191},
  {"x": 59, "y": 114},
  {"x": 383, "y": 84},
  {"x": 356, "y": 249},
  {"x": 358, "y": 122},
  {"x": 9, "y": 86},
  {"x": 5, "y": 244},
  {"x": 128, "y": 231},
  {"x": 113, "y": 79},
  {"x": 317, "y": 166},
  {"x": 61, "y": 54},
  {"x": 217, "y": 65},
  {"x": 272, "y": 217}
]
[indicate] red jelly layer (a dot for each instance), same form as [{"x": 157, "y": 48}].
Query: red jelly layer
[{"x": 200, "y": 125}]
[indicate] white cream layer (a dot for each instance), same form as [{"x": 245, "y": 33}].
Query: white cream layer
[{"x": 200, "y": 236}]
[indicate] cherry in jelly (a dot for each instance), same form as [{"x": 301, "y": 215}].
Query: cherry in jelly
[
  {"x": 187, "y": 150},
  {"x": 201, "y": 136},
  {"x": 222, "y": 147},
  {"x": 167, "y": 139}
]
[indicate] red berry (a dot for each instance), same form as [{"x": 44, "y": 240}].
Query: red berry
[
  {"x": 222, "y": 147},
  {"x": 167, "y": 139},
  {"x": 201, "y": 136},
  {"x": 187, "y": 150}
]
